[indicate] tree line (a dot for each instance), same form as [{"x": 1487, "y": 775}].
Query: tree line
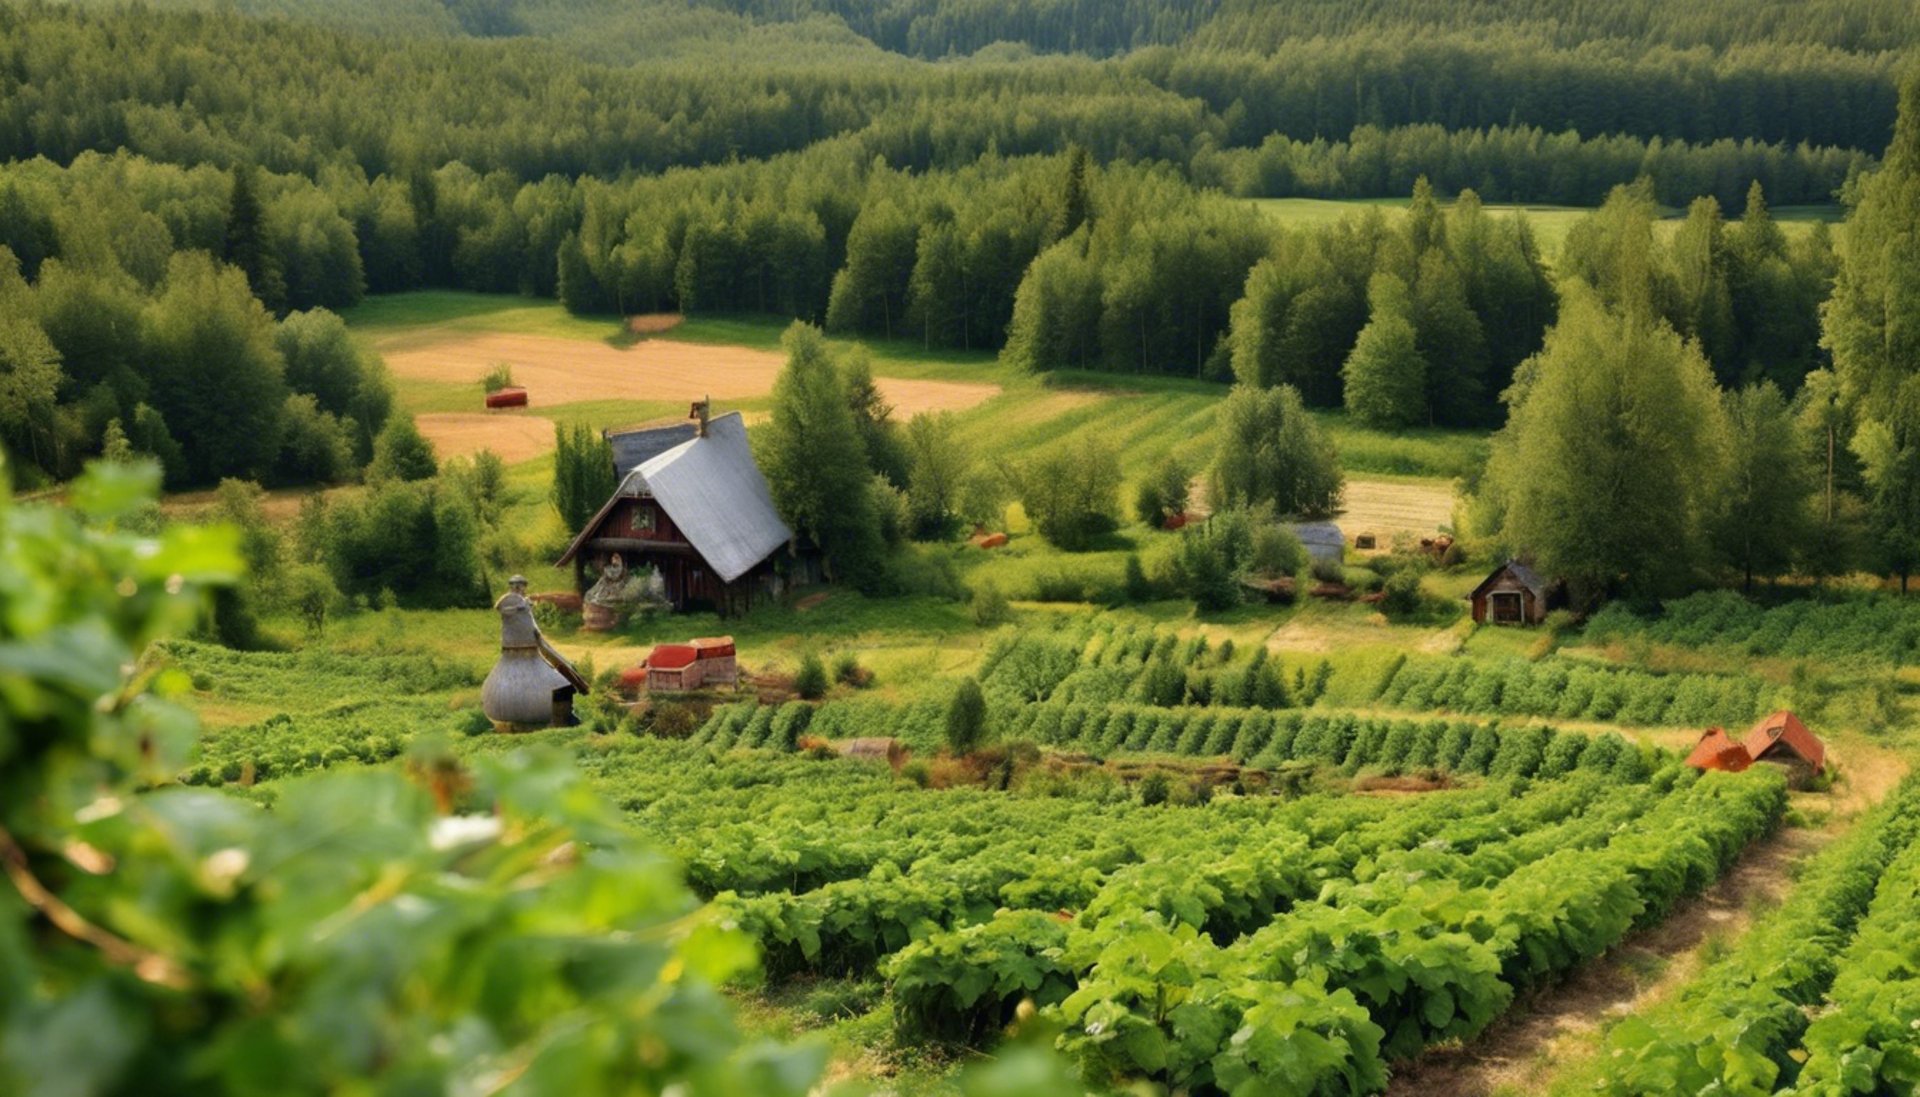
[
  {"x": 106, "y": 80},
  {"x": 1055, "y": 260},
  {"x": 131, "y": 309},
  {"x": 1653, "y": 442}
]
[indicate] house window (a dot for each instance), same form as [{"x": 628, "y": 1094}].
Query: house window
[{"x": 643, "y": 520}]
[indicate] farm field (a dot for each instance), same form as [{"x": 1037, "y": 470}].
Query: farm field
[
  {"x": 1092, "y": 621},
  {"x": 1484, "y": 836},
  {"x": 956, "y": 903}
]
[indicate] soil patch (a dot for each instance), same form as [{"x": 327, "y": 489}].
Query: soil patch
[
  {"x": 653, "y": 323},
  {"x": 558, "y": 371},
  {"x": 515, "y": 437},
  {"x": 1523, "y": 1050}
]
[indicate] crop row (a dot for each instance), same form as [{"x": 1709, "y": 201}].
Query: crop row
[
  {"x": 1325, "y": 996},
  {"x": 1225, "y": 879},
  {"x": 1862, "y": 626},
  {"x": 965, "y": 983},
  {"x": 1267, "y": 740},
  {"x": 1868, "y": 1040},
  {"x": 1735, "y": 1028},
  {"x": 1572, "y": 689},
  {"x": 1111, "y": 664}
]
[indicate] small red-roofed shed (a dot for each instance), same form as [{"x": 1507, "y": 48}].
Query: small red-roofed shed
[
  {"x": 1717, "y": 750},
  {"x": 1781, "y": 739},
  {"x": 693, "y": 665}
]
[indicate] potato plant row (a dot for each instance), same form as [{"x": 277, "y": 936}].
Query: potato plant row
[
  {"x": 958, "y": 985},
  {"x": 1200, "y": 866},
  {"x": 1352, "y": 743},
  {"x": 1867, "y": 1039},
  {"x": 1327, "y": 995},
  {"x": 1571, "y": 689},
  {"x": 1735, "y": 1029}
]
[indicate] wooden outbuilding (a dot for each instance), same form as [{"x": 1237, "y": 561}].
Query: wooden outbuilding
[
  {"x": 1716, "y": 750},
  {"x": 1781, "y": 739},
  {"x": 699, "y": 514},
  {"x": 698, "y": 664},
  {"x": 1513, "y": 595}
]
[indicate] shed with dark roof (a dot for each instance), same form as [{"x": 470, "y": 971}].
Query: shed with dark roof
[{"x": 1514, "y": 594}]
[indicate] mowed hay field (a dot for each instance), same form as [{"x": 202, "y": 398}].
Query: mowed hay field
[
  {"x": 444, "y": 341},
  {"x": 1386, "y": 508}
]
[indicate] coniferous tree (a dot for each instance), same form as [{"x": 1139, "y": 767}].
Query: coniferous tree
[
  {"x": 245, "y": 243},
  {"x": 583, "y": 474},
  {"x": 816, "y": 461}
]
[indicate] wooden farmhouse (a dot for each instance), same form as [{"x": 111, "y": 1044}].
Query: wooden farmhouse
[
  {"x": 1513, "y": 595},
  {"x": 699, "y": 514}
]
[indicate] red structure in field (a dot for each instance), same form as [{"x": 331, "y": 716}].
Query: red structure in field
[
  {"x": 676, "y": 668},
  {"x": 1779, "y": 739},
  {"x": 510, "y": 397}
]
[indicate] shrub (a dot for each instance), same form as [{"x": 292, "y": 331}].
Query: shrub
[
  {"x": 1402, "y": 597},
  {"x": 848, "y": 672},
  {"x": 497, "y": 377},
  {"x": 810, "y": 681},
  {"x": 1155, "y": 787},
  {"x": 967, "y": 718},
  {"x": 990, "y": 608},
  {"x": 671, "y": 720}
]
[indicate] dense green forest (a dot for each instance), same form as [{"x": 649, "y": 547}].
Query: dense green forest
[{"x": 1057, "y": 179}]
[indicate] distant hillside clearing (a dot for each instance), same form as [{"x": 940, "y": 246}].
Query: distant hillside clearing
[{"x": 558, "y": 371}]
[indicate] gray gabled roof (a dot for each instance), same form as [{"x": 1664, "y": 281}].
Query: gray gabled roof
[
  {"x": 713, "y": 491},
  {"x": 633, "y": 448},
  {"x": 1523, "y": 574}
]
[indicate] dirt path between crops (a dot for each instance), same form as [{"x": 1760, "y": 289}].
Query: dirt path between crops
[{"x": 1524, "y": 1050}]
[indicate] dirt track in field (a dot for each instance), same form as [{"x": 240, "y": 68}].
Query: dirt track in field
[
  {"x": 1388, "y": 507},
  {"x": 1523, "y": 1051},
  {"x": 557, "y": 371},
  {"x": 513, "y": 436}
]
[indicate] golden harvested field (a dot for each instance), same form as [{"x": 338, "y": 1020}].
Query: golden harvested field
[
  {"x": 514, "y": 436},
  {"x": 1388, "y": 507},
  {"x": 557, "y": 371}
]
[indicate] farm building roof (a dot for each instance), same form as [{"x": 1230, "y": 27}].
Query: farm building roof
[
  {"x": 1782, "y": 732},
  {"x": 1717, "y": 750},
  {"x": 713, "y": 491},
  {"x": 638, "y": 445},
  {"x": 1521, "y": 573},
  {"x": 1322, "y": 540},
  {"x": 671, "y": 656}
]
